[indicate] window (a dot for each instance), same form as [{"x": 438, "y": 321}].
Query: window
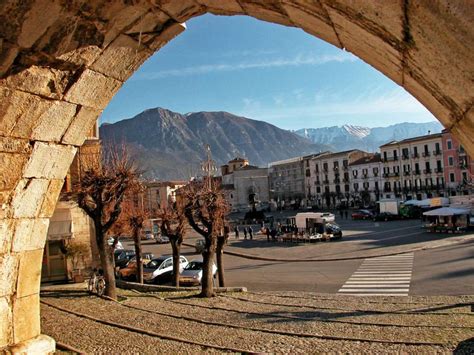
[
  {"x": 318, "y": 189},
  {"x": 426, "y": 149},
  {"x": 464, "y": 177},
  {"x": 449, "y": 144},
  {"x": 417, "y": 167},
  {"x": 385, "y": 156},
  {"x": 346, "y": 188},
  {"x": 450, "y": 161},
  {"x": 395, "y": 155},
  {"x": 336, "y": 164},
  {"x": 405, "y": 153},
  {"x": 345, "y": 163},
  {"x": 356, "y": 186},
  {"x": 415, "y": 151},
  {"x": 355, "y": 172},
  {"x": 437, "y": 148},
  {"x": 451, "y": 177},
  {"x": 376, "y": 185},
  {"x": 427, "y": 166},
  {"x": 376, "y": 171},
  {"x": 317, "y": 168},
  {"x": 438, "y": 165}
]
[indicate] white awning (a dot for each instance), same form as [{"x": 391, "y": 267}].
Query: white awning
[
  {"x": 447, "y": 211},
  {"x": 59, "y": 230}
]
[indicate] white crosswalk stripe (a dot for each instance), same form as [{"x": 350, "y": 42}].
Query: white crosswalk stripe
[{"x": 382, "y": 276}]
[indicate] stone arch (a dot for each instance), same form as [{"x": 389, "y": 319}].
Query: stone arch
[{"x": 62, "y": 61}]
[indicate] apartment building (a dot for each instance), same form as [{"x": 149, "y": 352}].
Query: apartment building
[
  {"x": 158, "y": 194},
  {"x": 458, "y": 167},
  {"x": 366, "y": 179},
  {"x": 413, "y": 168},
  {"x": 287, "y": 181},
  {"x": 331, "y": 183}
]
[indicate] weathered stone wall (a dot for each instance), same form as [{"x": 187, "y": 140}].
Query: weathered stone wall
[{"x": 61, "y": 62}]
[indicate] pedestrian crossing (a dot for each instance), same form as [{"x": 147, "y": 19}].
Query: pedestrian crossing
[{"x": 381, "y": 276}]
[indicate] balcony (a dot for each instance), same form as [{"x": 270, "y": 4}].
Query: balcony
[
  {"x": 438, "y": 170},
  {"x": 345, "y": 167},
  {"x": 427, "y": 171},
  {"x": 406, "y": 173},
  {"x": 385, "y": 175},
  {"x": 345, "y": 180},
  {"x": 325, "y": 170},
  {"x": 416, "y": 172},
  {"x": 437, "y": 152},
  {"x": 415, "y": 155},
  {"x": 395, "y": 174},
  {"x": 326, "y": 182},
  {"x": 337, "y": 180},
  {"x": 336, "y": 169},
  {"x": 405, "y": 157},
  {"x": 425, "y": 154},
  {"x": 365, "y": 176},
  {"x": 317, "y": 182}
]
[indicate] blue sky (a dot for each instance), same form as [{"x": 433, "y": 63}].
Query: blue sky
[{"x": 266, "y": 72}]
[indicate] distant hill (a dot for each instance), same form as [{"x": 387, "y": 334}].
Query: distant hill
[
  {"x": 170, "y": 145},
  {"x": 369, "y": 139}
]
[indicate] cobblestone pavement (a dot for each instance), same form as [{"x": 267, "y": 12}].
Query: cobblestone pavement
[{"x": 279, "y": 322}]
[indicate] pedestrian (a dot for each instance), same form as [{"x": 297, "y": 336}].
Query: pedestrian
[
  {"x": 250, "y": 232},
  {"x": 245, "y": 232},
  {"x": 346, "y": 213},
  {"x": 236, "y": 231},
  {"x": 341, "y": 213},
  {"x": 267, "y": 232}
]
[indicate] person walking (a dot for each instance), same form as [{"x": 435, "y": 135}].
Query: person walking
[
  {"x": 267, "y": 232},
  {"x": 236, "y": 231},
  {"x": 345, "y": 213},
  {"x": 245, "y": 232},
  {"x": 250, "y": 232}
]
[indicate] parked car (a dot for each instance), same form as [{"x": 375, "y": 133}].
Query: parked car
[
  {"x": 162, "y": 239},
  {"x": 199, "y": 246},
  {"x": 160, "y": 270},
  {"x": 362, "y": 214},
  {"x": 147, "y": 235},
  {"x": 385, "y": 216},
  {"x": 192, "y": 273},
  {"x": 122, "y": 257},
  {"x": 334, "y": 230},
  {"x": 129, "y": 272}
]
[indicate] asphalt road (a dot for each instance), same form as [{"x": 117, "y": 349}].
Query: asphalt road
[{"x": 446, "y": 270}]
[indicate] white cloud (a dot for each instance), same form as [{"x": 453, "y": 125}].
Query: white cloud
[{"x": 299, "y": 60}]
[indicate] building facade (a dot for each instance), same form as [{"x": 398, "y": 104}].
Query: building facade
[
  {"x": 159, "y": 194},
  {"x": 366, "y": 180},
  {"x": 330, "y": 185},
  {"x": 458, "y": 167},
  {"x": 287, "y": 182},
  {"x": 413, "y": 168}
]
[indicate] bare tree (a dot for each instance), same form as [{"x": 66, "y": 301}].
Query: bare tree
[
  {"x": 173, "y": 225},
  {"x": 100, "y": 193},
  {"x": 205, "y": 208},
  {"x": 221, "y": 242}
]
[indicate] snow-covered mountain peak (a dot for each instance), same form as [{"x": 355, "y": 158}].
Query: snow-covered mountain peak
[{"x": 357, "y": 131}]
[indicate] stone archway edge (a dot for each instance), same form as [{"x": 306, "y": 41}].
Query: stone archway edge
[{"x": 430, "y": 245}]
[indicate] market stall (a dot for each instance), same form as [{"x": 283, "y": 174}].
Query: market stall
[{"x": 446, "y": 219}]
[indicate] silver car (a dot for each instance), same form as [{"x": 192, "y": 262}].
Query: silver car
[{"x": 192, "y": 273}]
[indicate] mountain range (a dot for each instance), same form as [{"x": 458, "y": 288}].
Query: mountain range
[
  {"x": 364, "y": 138},
  {"x": 170, "y": 145}
]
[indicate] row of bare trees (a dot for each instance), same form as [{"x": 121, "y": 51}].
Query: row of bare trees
[{"x": 113, "y": 196}]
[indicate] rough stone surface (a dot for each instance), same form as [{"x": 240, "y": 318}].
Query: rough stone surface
[
  {"x": 28, "y": 197},
  {"x": 49, "y": 161},
  {"x": 51, "y": 198},
  {"x": 5, "y": 321},
  {"x": 80, "y": 126},
  {"x": 54, "y": 121},
  {"x": 93, "y": 89},
  {"x": 42, "y": 344},
  {"x": 29, "y": 273},
  {"x": 26, "y": 320},
  {"x": 30, "y": 234},
  {"x": 8, "y": 274}
]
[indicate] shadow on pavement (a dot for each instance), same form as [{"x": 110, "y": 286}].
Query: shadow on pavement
[{"x": 465, "y": 347}]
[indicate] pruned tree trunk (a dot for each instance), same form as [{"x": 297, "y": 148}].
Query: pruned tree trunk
[
  {"x": 221, "y": 241},
  {"x": 176, "y": 247},
  {"x": 207, "y": 289},
  {"x": 107, "y": 261},
  {"x": 138, "y": 254}
]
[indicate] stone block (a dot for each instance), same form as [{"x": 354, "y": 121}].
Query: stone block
[
  {"x": 82, "y": 56},
  {"x": 80, "y": 126},
  {"x": 19, "y": 112},
  {"x": 30, "y": 234},
  {"x": 219, "y": 7},
  {"x": 266, "y": 11},
  {"x": 463, "y": 129},
  {"x": 166, "y": 35},
  {"x": 121, "y": 58},
  {"x": 42, "y": 344},
  {"x": 49, "y": 160},
  {"x": 313, "y": 19},
  {"x": 41, "y": 81},
  {"x": 40, "y": 16},
  {"x": 376, "y": 51},
  {"x": 52, "y": 124},
  {"x": 152, "y": 21},
  {"x": 12, "y": 167},
  {"x": 29, "y": 273},
  {"x": 51, "y": 198},
  {"x": 93, "y": 89},
  {"x": 8, "y": 274},
  {"x": 26, "y": 318},
  {"x": 5, "y": 321},
  {"x": 28, "y": 197},
  {"x": 180, "y": 11},
  {"x": 8, "y": 53},
  {"x": 441, "y": 32},
  {"x": 6, "y": 232},
  {"x": 14, "y": 145}
]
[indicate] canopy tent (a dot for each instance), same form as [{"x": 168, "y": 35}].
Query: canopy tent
[
  {"x": 429, "y": 202},
  {"x": 447, "y": 211}
]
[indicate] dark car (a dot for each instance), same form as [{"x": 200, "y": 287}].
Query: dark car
[
  {"x": 385, "y": 216},
  {"x": 362, "y": 214},
  {"x": 122, "y": 257},
  {"x": 334, "y": 230}
]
